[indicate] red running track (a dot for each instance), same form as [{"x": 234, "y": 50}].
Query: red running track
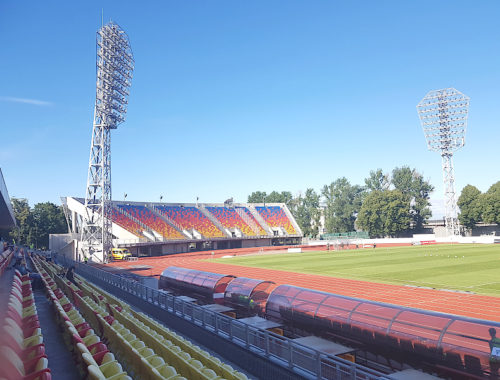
[{"x": 469, "y": 305}]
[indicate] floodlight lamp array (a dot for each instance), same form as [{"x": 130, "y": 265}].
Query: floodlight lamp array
[
  {"x": 443, "y": 115},
  {"x": 115, "y": 64}
]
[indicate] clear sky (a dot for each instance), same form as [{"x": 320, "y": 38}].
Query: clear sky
[{"x": 229, "y": 97}]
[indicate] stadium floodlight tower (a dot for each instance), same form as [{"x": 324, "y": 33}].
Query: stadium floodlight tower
[
  {"x": 115, "y": 64},
  {"x": 443, "y": 115}
]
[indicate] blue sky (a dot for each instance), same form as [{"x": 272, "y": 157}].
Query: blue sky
[{"x": 229, "y": 97}]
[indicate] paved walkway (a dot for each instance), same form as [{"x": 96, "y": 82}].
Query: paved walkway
[{"x": 61, "y": 362}]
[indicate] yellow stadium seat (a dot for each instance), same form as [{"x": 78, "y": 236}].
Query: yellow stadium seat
[
  {"x": 21, "y": 342},
  {"x": 96, "y": 374},
  {"x": 209, "y": 373},
  {"x": 146, "y": 352},
  {"x": 155, "y": 361},
  {"x": 167, "y": 371},
  {"x": 196, "y": 364},
  {"x": 108, "y": 369},
  {"x": 138, "y": 344}
]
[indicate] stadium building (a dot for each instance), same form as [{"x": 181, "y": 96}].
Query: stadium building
[{"x": 151, "y": 229}]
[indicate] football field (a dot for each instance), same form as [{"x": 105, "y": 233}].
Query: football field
[{"x": 464, "y": 267}]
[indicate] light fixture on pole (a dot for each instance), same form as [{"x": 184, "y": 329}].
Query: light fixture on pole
[
  {"x": 443, "y": 115},
  {"x": 115, "y": 64}
]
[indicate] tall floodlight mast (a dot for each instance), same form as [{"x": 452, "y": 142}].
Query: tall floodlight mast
[
  {"x": 115, "y": 64},
  {"x": 443, "y": 115}
]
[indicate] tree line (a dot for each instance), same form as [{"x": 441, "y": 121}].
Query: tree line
[
  {"x": 35, "y": 224},
  {"x": 388, "y": 204},
  {"x": 477, "y": 207}
]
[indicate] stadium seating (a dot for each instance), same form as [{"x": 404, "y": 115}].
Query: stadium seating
[
  {"x": 147, "y": 349},
  {"x": 5, "y": 258},
  {"x": 191, "y": 217},
  {"x": 22, "y": 352},
  {"x": 92, "y": 357},
  {"x": 127, "y": 223},
  {"x": 143, "y": 345},
  {"x": 149, "y": 218},
  {"x": 229, "y": 218},
  {"x": 276, "y": 217},
  {"x": 262, "y": 232}
]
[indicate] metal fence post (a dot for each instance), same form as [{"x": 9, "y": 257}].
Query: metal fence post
[{"x": 267, "y": 343}]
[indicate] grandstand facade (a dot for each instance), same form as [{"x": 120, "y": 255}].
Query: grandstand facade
[
  {"x": 7, "y": 218},
  {"x": 150, "y": 229}
]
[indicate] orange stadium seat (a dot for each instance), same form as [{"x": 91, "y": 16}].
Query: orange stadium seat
[
  {"x": 191, "y": 217},
  {"x": 127, "y": 223},
  {"x": 229, "y": 218},
  {"x": 276, "y": 217},
  {"x": 151, "y": 220}
]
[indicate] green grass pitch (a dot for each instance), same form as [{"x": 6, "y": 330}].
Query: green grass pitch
[{"x": 465, "y": 267}]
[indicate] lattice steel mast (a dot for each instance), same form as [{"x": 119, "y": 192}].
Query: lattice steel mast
[
  {"x": 443, "y": 115},
  {"x": 115, "y": 64}
]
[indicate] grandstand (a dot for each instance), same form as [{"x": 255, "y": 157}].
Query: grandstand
[
  {"x": 7, "y": 218},
  {"x": 276, "y": 217},
  {"x": 149, "y": 228}
]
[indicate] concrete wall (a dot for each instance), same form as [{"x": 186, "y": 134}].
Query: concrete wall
[{"x": 487, "y": 229}]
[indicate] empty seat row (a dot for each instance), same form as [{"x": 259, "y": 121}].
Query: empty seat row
[
  {"x": 127, "y": 223},
  {"x": 187, "y": 359},
  {"x": 139, "y": 357},
  {"x": 252, "y": 219},
  {"x": 191, "y": 218},
  {"x": 229, "y": 218},
  {"x": 92, "y": 357},
  {"x": 276, "y": 217},
  {"x": 5, "y": 258},
  {"x": 141, "y": 363},
  {"x": 163, "y": 352},
  {"x": 164, "y": 334},
  {"x": 150, "y": 219},
  {"x": 22, "y": 351}
]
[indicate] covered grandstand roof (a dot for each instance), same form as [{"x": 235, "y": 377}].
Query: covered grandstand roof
[
  {"x": 207, "y": 284},
  {"x": 416, "y": 329},
  {"x": 7, "y": 219},
  {"x": 241, "y": 291}
]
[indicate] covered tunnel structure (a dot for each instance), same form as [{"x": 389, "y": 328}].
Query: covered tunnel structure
[
  {"x": 207, "y": 285},
  {"x": 248, "y": 293},
  {"x": 457, "y": 342}
]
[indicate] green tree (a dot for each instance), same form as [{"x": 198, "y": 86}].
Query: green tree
[
  {"x": 343, "y": 202},
  {"x": 283, "y": 197},
  {"x": 416, "y": 191},
  {"x": 470, "y": 203},
  {"x": 378, "y": 180},
  {"x": 35, "y": 225},
  {"x": 48, "y": 218},
  {"x": 257, "y": 197},
  {"x": 274, "y": 197},
  {"x": 491, "y": 204},
  {"x": 384, "y": 213},
  {"x": 24, "y": 219},
  {"x": 307, "y": 213}
]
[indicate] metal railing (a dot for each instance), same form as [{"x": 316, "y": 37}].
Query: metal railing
[{"x": 305, "y": 361}]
